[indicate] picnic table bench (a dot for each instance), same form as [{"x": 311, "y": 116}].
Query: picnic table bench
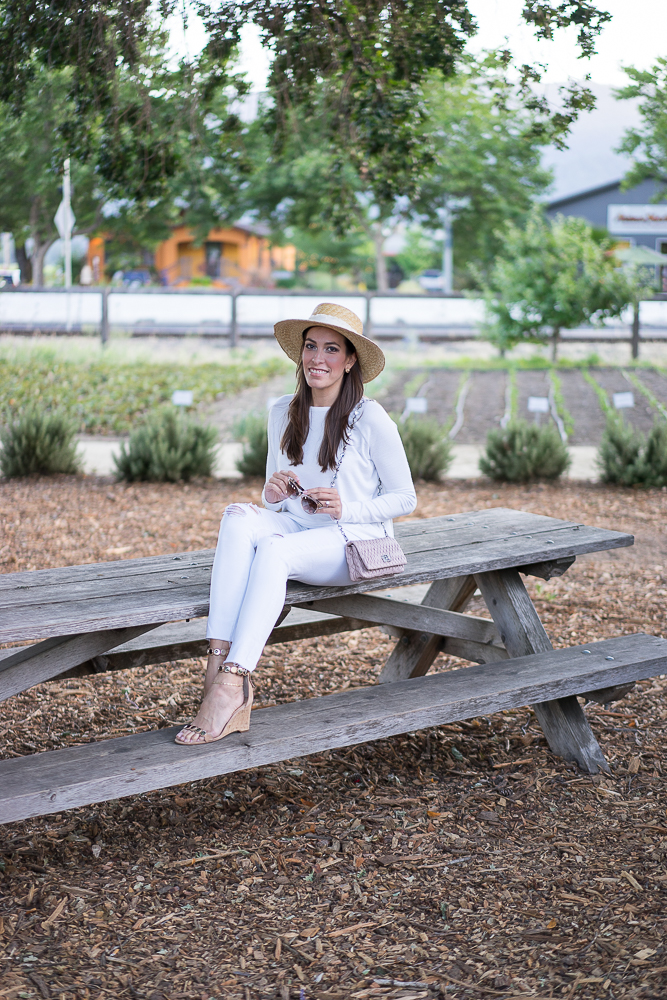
[{"x": 113, "y": 615}]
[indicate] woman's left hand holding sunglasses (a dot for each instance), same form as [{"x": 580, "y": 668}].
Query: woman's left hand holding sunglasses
[
  {"x": 330, "y": 500},
  {"x": 277, "y": 488}
]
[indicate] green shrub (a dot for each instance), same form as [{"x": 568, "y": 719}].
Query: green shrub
[
  {"x": 427, "y": 447},
  {"x": 167, "y": 447},
  {"x": 628, "y": 458},
  {"x": 522, "y": 451},
  {"x": 252, "y": 431},
  {"x": 38, "y": 441}
]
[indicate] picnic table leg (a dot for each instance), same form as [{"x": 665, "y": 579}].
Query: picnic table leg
[
  {"x": 414, "y": 653},
  {"x": 563, "y": 720},
  {"x": 30, "y": 665}
]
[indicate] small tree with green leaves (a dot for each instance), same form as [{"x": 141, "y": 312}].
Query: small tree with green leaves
[
  {"x": 552, "y": 275},
  {"x": 167, "y": 447},
  {"x": 522, "y": 451},
  {"x": 38, "y": 441}
]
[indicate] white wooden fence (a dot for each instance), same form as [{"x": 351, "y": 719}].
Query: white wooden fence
[{"x": 243, "y": 315}]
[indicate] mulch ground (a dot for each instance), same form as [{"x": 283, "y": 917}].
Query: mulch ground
[{"x": 464, "y": 861}]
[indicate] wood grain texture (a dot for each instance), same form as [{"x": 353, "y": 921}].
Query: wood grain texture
[
  {"x": 74, "y": 600},
  {"x": 32, "y": 665},
  {"x": 564, "y": 723},
  {"x": 414, "y": 653},
  {"x": 58, "y": 780}
]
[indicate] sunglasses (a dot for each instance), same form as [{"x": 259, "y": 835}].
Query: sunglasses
[{"x": 309, "y": 504}]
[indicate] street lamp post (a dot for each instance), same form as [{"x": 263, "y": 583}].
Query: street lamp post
[
  {"x": 68, "y": 228},
  {"x": 447, "y": 250}
]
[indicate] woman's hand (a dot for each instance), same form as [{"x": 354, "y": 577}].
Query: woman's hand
[
  {"x": 330, "y": 498},
  {"x": 275, "y": 489}
]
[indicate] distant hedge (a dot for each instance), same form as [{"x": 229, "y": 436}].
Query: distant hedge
[{"x": 104, "y": 396}]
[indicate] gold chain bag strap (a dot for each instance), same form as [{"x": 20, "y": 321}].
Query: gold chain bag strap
[{"x": 369, "y": 558}]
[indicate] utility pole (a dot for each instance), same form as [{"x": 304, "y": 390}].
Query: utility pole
[
  {"x": 447, "y": 250},
  {"x": 67, "y": 197}
]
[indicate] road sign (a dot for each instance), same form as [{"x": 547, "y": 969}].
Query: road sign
[{"x": 64, "y": 219}]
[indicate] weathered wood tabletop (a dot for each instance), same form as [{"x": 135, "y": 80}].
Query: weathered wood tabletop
[{"x": 81, "y": 612}]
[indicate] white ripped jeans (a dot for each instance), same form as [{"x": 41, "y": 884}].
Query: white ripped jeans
[{"x": 258, "y": 551}]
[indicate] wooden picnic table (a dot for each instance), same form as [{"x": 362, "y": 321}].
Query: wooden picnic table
[{"x": 115, "y": 614}]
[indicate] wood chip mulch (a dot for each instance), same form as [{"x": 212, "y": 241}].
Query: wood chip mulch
[{"x": 463, "y": 861}]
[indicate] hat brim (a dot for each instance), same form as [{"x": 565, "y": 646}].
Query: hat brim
[{"x": 289, "y": 334}]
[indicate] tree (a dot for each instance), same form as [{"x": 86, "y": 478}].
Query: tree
[
  {"x": 487, "y": 136},
  {"x": 31, "y": 158},
  {"x": 552, "y": 275},
  {"x": 167, "y": 151},
  {"x": 354, "y": 68},
  {"x": 648, "y": 143}
]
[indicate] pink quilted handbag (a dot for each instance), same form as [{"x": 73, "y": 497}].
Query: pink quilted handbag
[{"x": 372, "y": 557}]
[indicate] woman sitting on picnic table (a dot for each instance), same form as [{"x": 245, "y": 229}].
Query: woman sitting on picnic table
[{"x": 347, "y": 453}]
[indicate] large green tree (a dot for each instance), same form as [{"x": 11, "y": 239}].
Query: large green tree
[
  {"x": 648, "y": 142},
  {"x": 165, "y": 150},
  {"x": 359, "y": 65}
]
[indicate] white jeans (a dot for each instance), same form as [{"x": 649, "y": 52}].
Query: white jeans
[{"x": 258, "y": 551}]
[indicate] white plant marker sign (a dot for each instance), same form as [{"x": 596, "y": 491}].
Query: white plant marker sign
[
  {"x": 182, "y": 397},
  {"x": 624, "y": 400},
  {"x": 538, "y": 405},
  {"x": 414, "y": 404}
]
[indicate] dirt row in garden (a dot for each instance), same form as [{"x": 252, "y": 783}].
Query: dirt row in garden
[
  {"x": 465, "y": 861},
  {"x": 486, "y": 398}
]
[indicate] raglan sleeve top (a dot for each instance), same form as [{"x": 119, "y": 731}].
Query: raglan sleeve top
[{"x": 373, "y": 480}]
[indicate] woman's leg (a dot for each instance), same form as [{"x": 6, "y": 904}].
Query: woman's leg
[
  {"x": 242, "y": 526},
  {"x": 242, "y": 529},
  {"x": 313, "y": 556}
]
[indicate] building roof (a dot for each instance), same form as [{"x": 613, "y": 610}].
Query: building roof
[{"x": 599, "y": 189}]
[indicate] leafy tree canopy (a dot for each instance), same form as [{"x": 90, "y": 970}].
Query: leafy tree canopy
[
  {"x": 648, "y": 143},
  {"x": 364, "y": 60}
]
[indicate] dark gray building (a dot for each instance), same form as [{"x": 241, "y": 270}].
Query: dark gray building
[{"x": 629, "y": 215}]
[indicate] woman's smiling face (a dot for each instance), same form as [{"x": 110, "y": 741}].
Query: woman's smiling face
[{"x": 324, "y": 358}]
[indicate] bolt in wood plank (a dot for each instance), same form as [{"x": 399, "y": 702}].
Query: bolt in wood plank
[
  {"x": 563, "y": 722},
  {"x": 32, "y": 665},
  {"x": 414, "y": 653}
]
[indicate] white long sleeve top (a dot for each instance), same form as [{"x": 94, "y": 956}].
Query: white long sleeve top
[{"x": 374, "y": 454}]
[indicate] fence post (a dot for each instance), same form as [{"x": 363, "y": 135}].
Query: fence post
[
  {"x": 233, "y": 332},
  {"x": 104, "y": 325},
  {"x": 635, "y": 331},
  {"x": 367, "y": 323}
]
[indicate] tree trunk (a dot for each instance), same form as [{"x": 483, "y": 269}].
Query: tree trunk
[
  {"x": 38, "y": 255},
  {"x": 24, "y": 263},
  {"x": 555, "y": 339}
]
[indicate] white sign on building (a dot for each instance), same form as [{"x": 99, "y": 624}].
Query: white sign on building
[{"x": 636, "y": 220}]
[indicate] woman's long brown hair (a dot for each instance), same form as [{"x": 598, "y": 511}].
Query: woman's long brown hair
[{"x": 336, "y": 425}]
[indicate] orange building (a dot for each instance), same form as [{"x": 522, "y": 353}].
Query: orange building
[{"x": 239, "y": 255}]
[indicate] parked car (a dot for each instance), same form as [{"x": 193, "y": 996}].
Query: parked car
[
  {"x": 431, "y": 281},
  {"x": 9, "y": 276}
]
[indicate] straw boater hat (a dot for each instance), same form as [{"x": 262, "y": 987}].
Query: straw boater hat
[{"x": 289, "y": 334}]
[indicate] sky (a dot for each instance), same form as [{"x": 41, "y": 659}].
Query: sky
[{"x": 634, "y": 37}]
